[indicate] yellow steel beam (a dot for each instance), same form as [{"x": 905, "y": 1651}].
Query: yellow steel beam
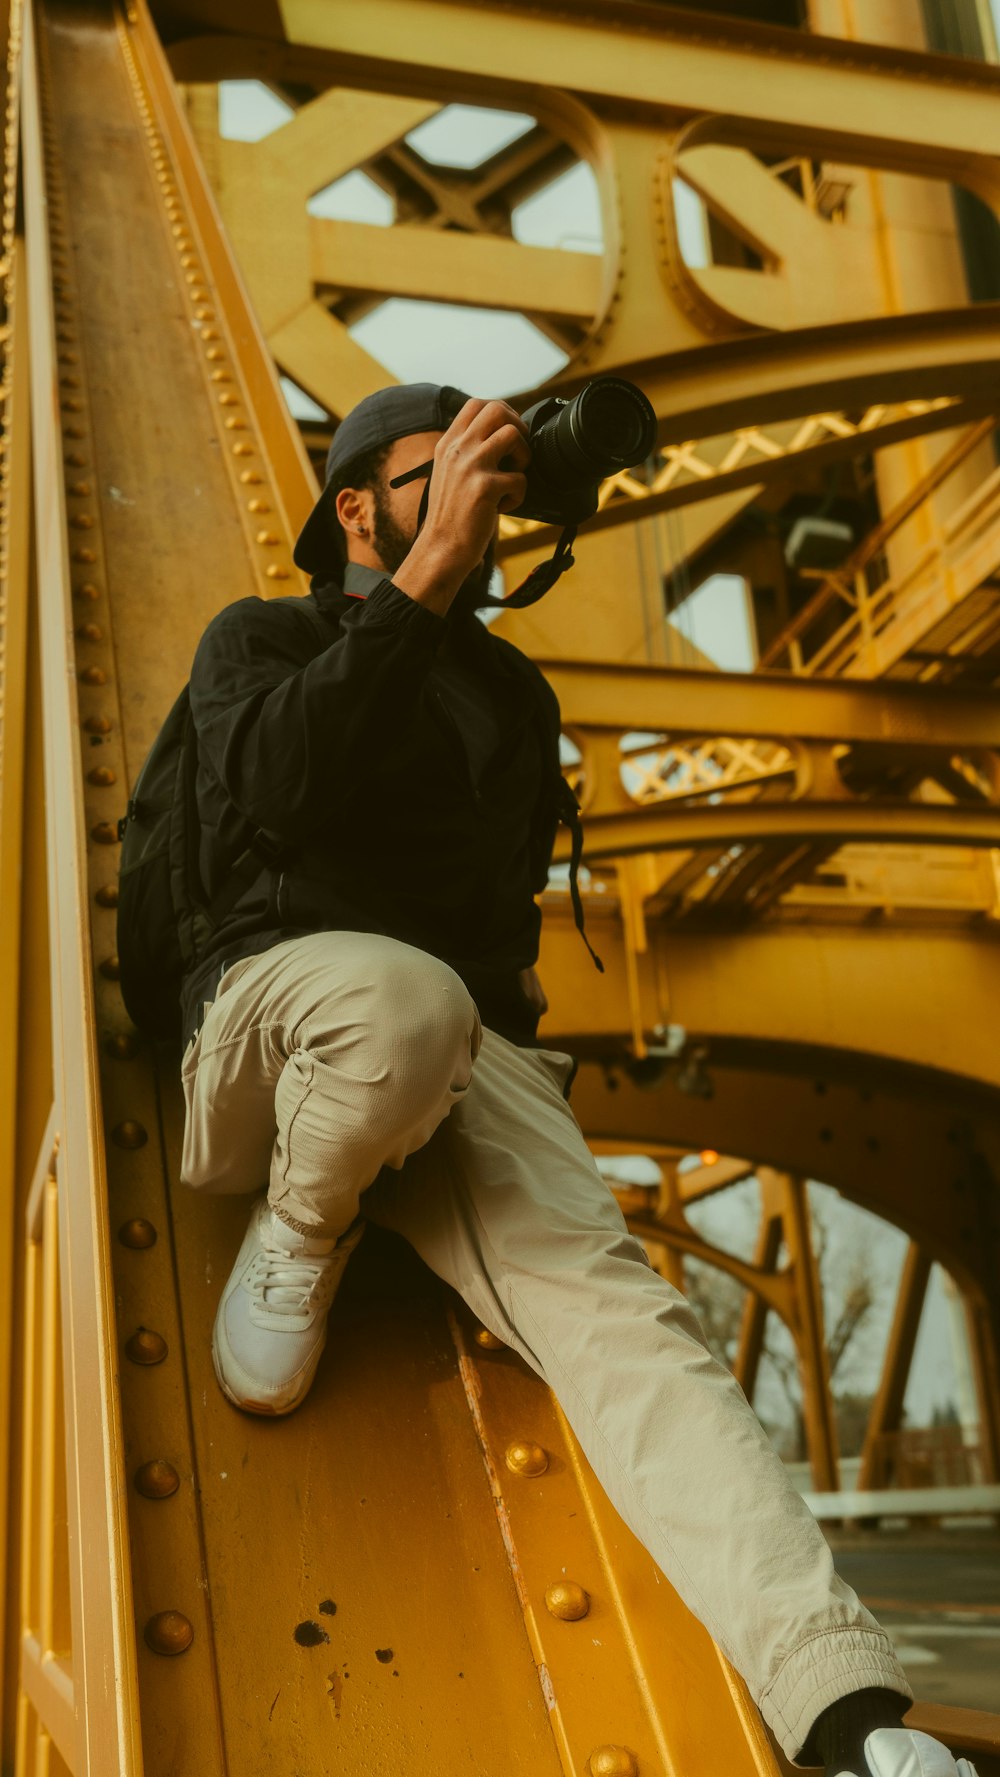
[
  {"x": 675, "y": 701},
  {"x": 902, "y": 996},
  {"x": 853, "y": 95},
  {"x": 651, "y": 828},
  {"x": 103, "y": 1662},
  {"x": 887, "y": 1407},
  {"x": 443, "y": 266},
  {"x": 15, "y": 515}
]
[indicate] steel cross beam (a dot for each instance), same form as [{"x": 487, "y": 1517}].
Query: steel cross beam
[{"x": 678, "y": 702}]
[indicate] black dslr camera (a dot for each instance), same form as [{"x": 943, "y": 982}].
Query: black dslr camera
[{"x": 575, "y": 444}]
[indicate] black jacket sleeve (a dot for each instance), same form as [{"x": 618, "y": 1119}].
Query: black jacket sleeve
[
  {"x": 545, "y": 815},
  {"x": 282, "y": 726}
]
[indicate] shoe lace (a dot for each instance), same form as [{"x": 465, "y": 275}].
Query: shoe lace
[{"x": 288, "y": 1283}]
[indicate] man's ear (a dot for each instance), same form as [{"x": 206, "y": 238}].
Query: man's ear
[{"x": 351, "y": 506}]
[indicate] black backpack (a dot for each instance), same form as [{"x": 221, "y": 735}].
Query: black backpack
[{"x": 164, "y": 920}]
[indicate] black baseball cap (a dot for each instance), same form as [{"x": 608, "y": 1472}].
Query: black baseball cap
[{"x": 379, "y": 419}]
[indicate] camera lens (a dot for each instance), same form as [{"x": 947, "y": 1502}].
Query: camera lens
[{"x": 614, "y": 423}]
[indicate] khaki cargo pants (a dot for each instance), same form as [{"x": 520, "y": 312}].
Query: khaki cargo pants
[{"x": 347, "y": 1071}]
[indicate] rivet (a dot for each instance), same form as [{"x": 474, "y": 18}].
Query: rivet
[
  {"x": 138, "y": 1233},
  {"x": 121, "y": 1046},
  {"x": 526, "y": 1459},
  {"x": 74, "y": 432},
  {"x": 76, "y": 459},
  {"x": 79, "y": 488},
  {"x": 85, "y": 555},
  {"x": 190, "y": 261},
  {"x": 177, "y": 229},
  {"x": 69, "y": 382},
  {"x": 228, "y": 399},
  {"x": 87, "y": 591},
  {"x": 267, "y": 538},
  {"x": 276, "y": 572},
  {"x": 235, "y": 424},
  {"x": 89, "y": 632},
  {"x": 258, "y": 506},
  {"x": 110, "y": 968},
  {"x": 210, "y": 333},
  {"x": 70, "y": 404},
  {"x": 567, "y": 1601},
  {"x": 612, "y": 1761},
  {"x": 215, "y": 354},
  {"x": 157, "y": 1479},
  {"x": 488, "y": 1340},
  {"x": 104, "y": 833},
  {"x": 207, "y": 314},
  {"x": 82, "y": 521},
  {"x": 129, "y": 1134},
  {"x": 220, "y": 376},
  {"x": 107, "y": 895},
  {"x": 93, "y": 675},
  {"x": 146, "y": 1347},
  {"x": 251, "y": 477},
  {"x": 198, "y": 295},
  {"x": 97, "y": 725},
  {"x": 168, "y": 1633},
  {"x": 102, "y": 774},
  {"x": 242, "y": 449}
]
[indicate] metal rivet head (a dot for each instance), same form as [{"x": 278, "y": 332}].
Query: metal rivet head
[
  {"x": 488, "y": 1340},
  {"x": 228, "y": 399},
  {"x": 87, "y": 591},
  {"x": 214, "y": 355},
  {"x": 258, "y": 506},
  {"x": 85, "y": 555},
  {"x": 107, "y": 895},
  {"x": 220, "y": 376},
  {"x": 93, "y": 675},
  {"x": 137, "y": 1233},
  {"x": 110, "y": 968},
  {"x": 129, "y": 1134},
  {"x": 208, "y": 333},
  {"x": 121, "y": 1046},
  {"x": 243, "y": 450},
  {"x": 168, "y": 1633},
  {"x": 89, "y": 632},
  {"x": 82, "y": 521},
  {"x": 97, "y": 725},
  {"x": 251, "y": 477},
  {"x": 104, "y": 833},
  {"x": 567, "y": 1601},
  {"x": 157, "y": 1479},
  {"x": 146, "y": 1347},
  {"x": 102, "y": 774},
  {"x": 235, "y": 423},
  {"x": 268, "y": 538},
  {"x": 80, "y": 489},
  {"x": 612, "y": 1761},
  {"x": 526, "y": 1459},
  {"x": 276, "y": 572}
]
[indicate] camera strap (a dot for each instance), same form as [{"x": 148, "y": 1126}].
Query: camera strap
[{"x": 542, "y": 577}]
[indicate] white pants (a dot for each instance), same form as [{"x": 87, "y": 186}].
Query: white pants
[{"x": 347, "y": 1071}]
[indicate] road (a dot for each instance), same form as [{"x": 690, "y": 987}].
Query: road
[{"x": 938, "y": 1595}]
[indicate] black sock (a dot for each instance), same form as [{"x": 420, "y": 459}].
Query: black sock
[{"x": 837, "y": 1739}]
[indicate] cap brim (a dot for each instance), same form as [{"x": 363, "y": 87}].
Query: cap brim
[{"x": 314, "y": 550}]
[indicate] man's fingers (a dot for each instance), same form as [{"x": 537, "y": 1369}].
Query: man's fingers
[
  {"x": 492, "y": 415},
  {"x": 509, "y": 491},
  {"x": 506, "y": 442}
]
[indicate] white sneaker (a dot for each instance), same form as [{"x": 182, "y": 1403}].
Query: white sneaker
[
  {"x": 270, "y": 1328},
  {"x": 902, "y": 1752}
]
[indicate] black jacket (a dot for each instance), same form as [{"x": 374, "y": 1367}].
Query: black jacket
[{"x": 349, "y": 756}]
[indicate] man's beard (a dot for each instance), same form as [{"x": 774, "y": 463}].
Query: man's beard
[{"x": 392, "y": 545}]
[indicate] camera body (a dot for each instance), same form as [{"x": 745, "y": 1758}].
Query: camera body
[{"x": 608, "y": 426}]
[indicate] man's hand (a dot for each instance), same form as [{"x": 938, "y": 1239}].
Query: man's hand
[
  {"x": 533, "y": 990},
  {"x": 468, "y": 490}
]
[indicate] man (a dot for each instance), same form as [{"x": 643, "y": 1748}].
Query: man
[{"x": 362, "y": 1042}]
